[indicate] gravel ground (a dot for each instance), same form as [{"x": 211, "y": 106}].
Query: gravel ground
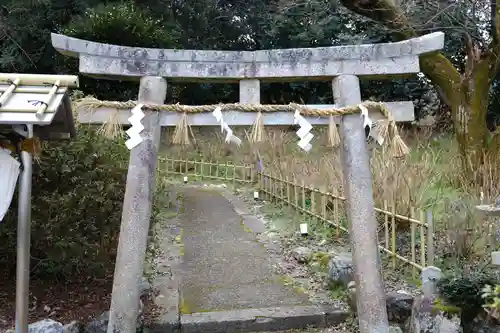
[{"x": 320, "y": 240}]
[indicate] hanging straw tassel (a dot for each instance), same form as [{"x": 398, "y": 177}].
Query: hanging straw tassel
[
  {"x": 333, "y": 133},
  {"x": 112, "y": 128},
  {"x": 380, "y": 131},
  {"x": 257, "y": 133},
  {"x": 397, "y": 147},
  {"x": 182, "y": 131}
]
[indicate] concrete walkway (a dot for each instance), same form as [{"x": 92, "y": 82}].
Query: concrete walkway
[
  {"x": 224, "y": 267},
  {"x": 225, "y": 277}
]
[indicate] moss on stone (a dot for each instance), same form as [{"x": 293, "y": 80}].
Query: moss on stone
[
  {"x": 247, "y": 229},
  {"x": 184, "y": 308},
  {"x": 322, "y": 259}
]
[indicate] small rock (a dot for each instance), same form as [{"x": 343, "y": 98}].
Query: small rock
[
  {"x": 302, "y": 254},
  {"x": 351, "y": 296},
  {"x": 73, "y": 327},
  {"x": 341, "y": 268},
  {"x": 399, "y": 305},
  {"x": 395, "y": 329},
  {"x": 482, "y": 326},
  {"x": 144, "y": 287},
  {"x": 43, "y": 326},
  {"x": 426, "y": 319},
  {"x": 98, "y": 325}
]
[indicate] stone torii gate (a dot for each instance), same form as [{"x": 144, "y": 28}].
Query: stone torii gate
[{"x": 341, "y": 64}]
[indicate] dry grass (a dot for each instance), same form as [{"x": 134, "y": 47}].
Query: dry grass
[{"x": 428, "y": 179}]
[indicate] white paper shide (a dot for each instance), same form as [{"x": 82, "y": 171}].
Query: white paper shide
[
  {"x": 9, "y": 173},
  {"x": 230, "y": 137},
  {"x": 134, "y": 132},
  {"x": 374, "y": 130},
  {"x": 304, "y": 132}
]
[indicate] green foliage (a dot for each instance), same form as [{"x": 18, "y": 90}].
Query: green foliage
[
  {"x": 78, "y": 190},
  {"x": 464, "y": 291},
  {"x": 25, "y": 28},
  {"x": 135, "y": 27},
  {"x": 119, "y": 24},
  {"x": 439, "y": 304},
  {"x": 491, "y": 297}
]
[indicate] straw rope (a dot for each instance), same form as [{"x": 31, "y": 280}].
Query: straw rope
[
  {"x": 90, "y": 103},
  {"x": 387, "y": 128}
]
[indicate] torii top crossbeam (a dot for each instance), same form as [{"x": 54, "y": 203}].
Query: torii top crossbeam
[{"x": 285, "y": 64}]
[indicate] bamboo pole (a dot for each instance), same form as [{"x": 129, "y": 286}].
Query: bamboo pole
[
  {"x": 393, "y": 234},
  {"x": 313, "y": 203},
  {"x": 10, "y": 90},
  {"x": 336, "y": 216},
  {"x": 413, "y": 243},
  {"x": 430, "y": 239},
  {"x": 422, "y": 240},
  {"x": 386, "y": 226},
  {"x": 323, "y": 203},
  {"x": 70, "y": 81},
  {"x": 50, "y": 97}
]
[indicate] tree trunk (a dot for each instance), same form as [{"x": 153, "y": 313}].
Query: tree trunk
[
  {"x": 470, "y": 119},
  {"x": 467, "y": 95}
]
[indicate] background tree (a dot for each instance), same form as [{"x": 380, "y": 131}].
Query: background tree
[{"x": 463, "y": 80}]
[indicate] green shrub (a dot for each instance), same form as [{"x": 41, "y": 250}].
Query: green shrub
[
  {"x": 464, "y": 291},
  {"x": 77, "y": 198},
  {"x": 119, "y": 24}
]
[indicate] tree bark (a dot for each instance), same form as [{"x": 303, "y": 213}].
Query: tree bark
[{"x": 466, "y": 93}]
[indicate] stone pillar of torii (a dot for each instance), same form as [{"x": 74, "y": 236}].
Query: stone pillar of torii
[{"x": 342, "y": 65}]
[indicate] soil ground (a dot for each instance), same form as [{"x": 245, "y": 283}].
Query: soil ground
[{"x": 63, "y": 301}]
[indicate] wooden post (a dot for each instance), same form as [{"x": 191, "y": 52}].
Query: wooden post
[
  {"x": 136, "y": 214},
  {"x": 430, "y": 239},
  {"x": 371, "y": 305}
]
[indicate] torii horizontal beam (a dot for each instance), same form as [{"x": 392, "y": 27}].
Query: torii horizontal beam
[
  {"x": 286, "y": 64},
  {"x": 401, "y": 111}
]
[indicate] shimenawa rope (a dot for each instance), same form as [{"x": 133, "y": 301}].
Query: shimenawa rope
[{"x": 386, "y": 128}]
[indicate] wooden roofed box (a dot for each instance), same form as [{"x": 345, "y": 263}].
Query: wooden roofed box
[{"x": 40, "y": 100}]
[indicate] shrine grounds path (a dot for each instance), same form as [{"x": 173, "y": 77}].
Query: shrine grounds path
[{"x": 226, "y": 276}]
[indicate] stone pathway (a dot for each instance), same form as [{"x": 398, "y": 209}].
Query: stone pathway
[
  {"x": 225, "y": 277},
  {"x": 224, "y": 267}
]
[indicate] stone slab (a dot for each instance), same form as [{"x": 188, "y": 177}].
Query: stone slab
[
  {"x": 488, "y": 210},
  {"x": 98, "y": 65},
  {"x": 253, "y": 223},
  {"x": 401, "y": 111},
  {"x": 239, "y": 206},
  {"x": 263, "y": 319},
  {"x": 368, "y": 59}
]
